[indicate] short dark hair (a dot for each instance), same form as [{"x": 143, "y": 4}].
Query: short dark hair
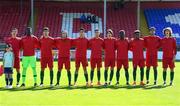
[
  {"x": 152, "y": 28},
  {"x": 45, "y": 29},
  {"x": 81, "y": 29},
  {"x": 96, "y": 30},
  {"x": 14, "y": 29},
  {"x": 8, "y": 46}
]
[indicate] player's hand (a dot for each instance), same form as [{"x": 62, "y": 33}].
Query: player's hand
[
  {"x": 2, "y": 66},
  {"x": 174, "y": 58}
]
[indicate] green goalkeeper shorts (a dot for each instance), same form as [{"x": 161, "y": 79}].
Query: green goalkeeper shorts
[{"x": 28, "y": 60}]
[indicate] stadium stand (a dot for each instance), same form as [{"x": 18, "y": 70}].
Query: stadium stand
[
  {"x": 59, "y": 16},
  {"x": 12, "y": 16},
  {"x": 161, "y": 18},
  {"x": 62, "y": 15}
]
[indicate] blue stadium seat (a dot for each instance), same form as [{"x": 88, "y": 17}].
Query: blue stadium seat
[{"x": 161, "y": 18}]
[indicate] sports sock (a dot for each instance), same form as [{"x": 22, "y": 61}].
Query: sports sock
[
  {"x": 105, "y": 75},
  {"x": 111, "y": 75},
  {"x": 142, "y": 74},
  {"x": 127, "y": 75}
]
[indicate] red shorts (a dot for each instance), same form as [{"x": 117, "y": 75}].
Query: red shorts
[
  {"x": 17, "y": 63},
  {"x": 82, "y": 61},
  {"x": 122, "y": 62},
  {"x": 139, "y": 62},
  {"x": 96, "y": 62},
  {"x": 109, "y": 62},
  {"x": 64, "y": 61},
  {"x": 151, "y": 61},
  {"x": 45, "y": 61},
  {"x": 168, "y": 62}
]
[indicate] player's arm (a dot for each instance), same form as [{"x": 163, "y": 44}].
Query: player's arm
[
  {"x": 145, "y": 41},
  {"x": 36, "y": 41},
  {"x": 73, "y": 43},
  {"x": 21, "y": 44},
  {"x": 90, "y": 44},
  {"x": 131, "y": 44},
  {"x": 175, "y": 49},
  {"x": 3, "y": 61},
  {"x": 12, "y": 59}
]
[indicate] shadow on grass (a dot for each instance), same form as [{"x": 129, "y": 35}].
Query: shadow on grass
[{"x": 147, "y": 87}]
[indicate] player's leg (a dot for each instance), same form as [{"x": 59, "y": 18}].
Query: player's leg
[
  {"x": 171, "y": 77},
  {"x": 25, "y": 63},
  {"x": 112, "y": 65},
  {"x": 33, "y": 66},
  {"x": 142, "y": 76},
  {"x": 164, "y": 76},
  {"x": 118, "y": 75},
  {"x": 106, "y": 75},
  {"x": 10, "y": 80},
  {"x": 126, "y": 66},
  {"x": 134, "y": 74},
  {"x": 142, "y": 65},
  {"x": 67, "y": 66},
  {"x": 76, "y": 75},
  {"x": 42, "y": 76},
  {"x": 85, "y": 64},
  {"x": 51, "y": 73},
  {"x": 148, "y": 66},
  {"x": 106, "y": 71},
  {"x": 60, "y": 66},
  {"x": 119, "y": 65},
  {"x": 99, "y": 65},
  {"x": 155, "y": 75},
  {"x": 93, "y": 65},
  {"x": 127, "y": 76},
  {"x": 51, "y": 76},
  {"x": 111, "y": 75},
  {"x": 165, "y": 66},
  {"x": 91, "y": 76},
  {"x": 17, "y": 67},
  {"x": 43, "y": 66},
  {"x": 18, "y": 76},
  {"x": 134, "y": 71},
  {"x": 155, "y": 65},
  {"x": 6, "y": 80},
  {"x": 77, "y": 62},
  {"x": 86, "y": 75},
  {"x": 69, "y": 77},
  {"x": 58, "y": 76},
  {"x": 147, "y": 74},
  {"x": 171, "y": 66},
  {"x": 98, "y": 75}
]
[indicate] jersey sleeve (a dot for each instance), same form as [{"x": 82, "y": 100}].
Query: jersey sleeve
[
  {"x": 90, "y": 43},
  {"x": 130, "y": 45},
  {"x": 174, "y": 46},
  {"x": 73, "y": 42}
]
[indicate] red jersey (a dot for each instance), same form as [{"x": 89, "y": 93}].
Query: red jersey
[
  {"x": 109, "y": 48},
  {"x": 122, "y": 46},
  {"x": 29, "y": 44},
  {"x": 168, "y": 47},
  {"x": 152, "y": 44},
  {"x": 81, "y": 45},
  {"x": 15, "y": 43},
  {"x": 137, "y": 46},
  {"x": 96, "y": 45},
  {"x": 63, "y": 45},
  {"x": 46, "y": 46}
]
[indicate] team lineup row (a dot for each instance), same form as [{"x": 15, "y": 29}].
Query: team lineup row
[{"x": 109, "y": 44}]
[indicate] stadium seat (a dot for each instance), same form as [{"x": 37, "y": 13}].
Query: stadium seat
[{"x": 161, "y": 18}]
